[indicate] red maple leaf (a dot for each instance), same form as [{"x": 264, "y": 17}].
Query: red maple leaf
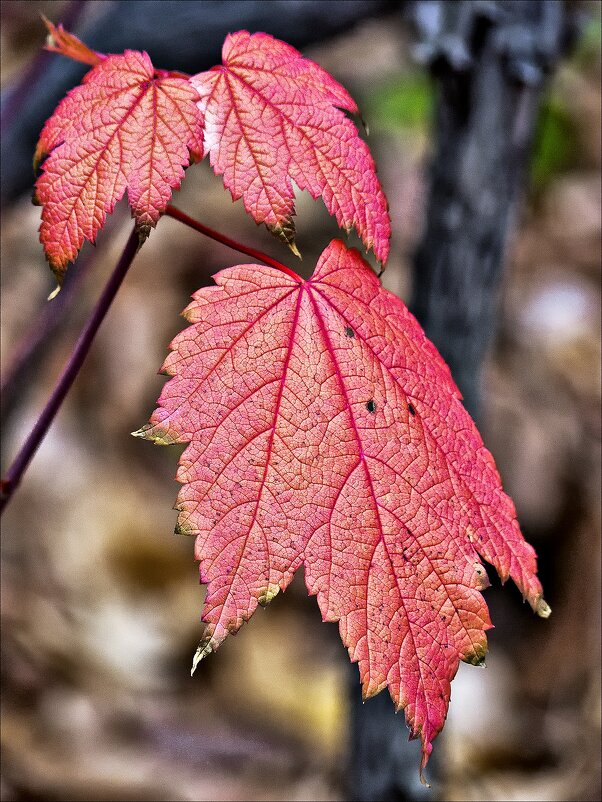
[
  {"x": 273, "y": 117},
  {"x": 325, "y": 430},
  {"x": 128, "y": 126}
]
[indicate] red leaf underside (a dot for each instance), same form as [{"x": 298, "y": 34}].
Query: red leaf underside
[
  {"x": 325, "y": 430},
  {"x": 273, "y": 117},
  {"x": 126, "y": 127}
]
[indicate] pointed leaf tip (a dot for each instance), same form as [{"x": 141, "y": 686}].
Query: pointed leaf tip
[
  {"x": 268, "y": 594},
  {"x": 204, "y": 648},
  {"x": 141, "y": 432},
  {"x": 423, "y": 779},
  {"x": 295, "y": 250}
]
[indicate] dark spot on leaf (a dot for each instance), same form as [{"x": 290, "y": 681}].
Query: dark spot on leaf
[
  {"x": 411, "y": 409},
  {"x": 349, "y": 332},
  {"x": 371, "y": 406}
]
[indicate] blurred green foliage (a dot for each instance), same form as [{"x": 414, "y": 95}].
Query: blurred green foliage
[
  {"x": 555, "y": 144},
  {"x": 586, "y": 55},
  {"x": 405, "y": 102}
]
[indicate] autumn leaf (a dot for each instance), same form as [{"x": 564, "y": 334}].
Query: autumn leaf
[
  {"x": 273, "y": 117},
  {"x": 325, "y": 430},
  {"x": 128, "y": 126}
]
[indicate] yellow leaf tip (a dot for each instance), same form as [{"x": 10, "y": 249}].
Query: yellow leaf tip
[
  {"x": 285, "y": 232},
  {"x": 423, "y": 780},
  {"x": 295, "y": 250},
  {"x": 543, "y": 609},
  {"x": 141, "y": 432},
  {"x": 182, "y": 529},
  {"x": 266, "y": 596},
  {"x": 204, "y": 648},
  {"x": 153, "y": 433}
]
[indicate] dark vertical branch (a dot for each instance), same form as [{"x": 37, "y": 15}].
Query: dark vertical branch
[{"x": 489, "y": 60}]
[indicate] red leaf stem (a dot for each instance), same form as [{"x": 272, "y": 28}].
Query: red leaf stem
[{"x": 171, "y": 211}]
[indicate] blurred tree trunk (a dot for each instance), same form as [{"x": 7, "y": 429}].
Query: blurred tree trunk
[{"x": 490, "y": 60}]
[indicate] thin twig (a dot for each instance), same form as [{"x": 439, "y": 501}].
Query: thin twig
[
  {"x": 46, "y": 329},
  {"x": 171, "y": 211},
  {"x": 41, "y": 335},
  {"x": 19, "y": 466}
]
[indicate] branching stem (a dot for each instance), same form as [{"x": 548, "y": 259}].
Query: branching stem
[
  {"x": 171, "y": 211},
  {"x": 15, "y": 473}
]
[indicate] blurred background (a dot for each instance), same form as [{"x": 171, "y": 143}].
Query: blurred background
[{"x": 101, "y": 602}]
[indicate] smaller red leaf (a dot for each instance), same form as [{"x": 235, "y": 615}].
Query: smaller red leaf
[
  {"x": 128, "y": 126},
  {"x": 273, "y": 117}
]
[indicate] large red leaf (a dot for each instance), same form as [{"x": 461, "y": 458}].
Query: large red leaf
[
  {"x": 128, "y": 126},
  {"x": 325, "y": 430},
  {"x": 273, "y": 117}
]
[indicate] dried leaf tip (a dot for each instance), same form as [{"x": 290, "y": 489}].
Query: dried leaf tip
[
  {"x": 203, "y": 649},
  {"x": 182, "y": 529},
  {"x": 285, "y": 232},
  {"x": 54, "y": 293},
  {"x": 295, "y": 250},
  {"x": 141, "y": 432},
  {"x": 543, "y": 609},
  {"x": 266, "y": 596},
  {"x": 425, "y": 756},
  {"x": 364, "y": 123}
]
